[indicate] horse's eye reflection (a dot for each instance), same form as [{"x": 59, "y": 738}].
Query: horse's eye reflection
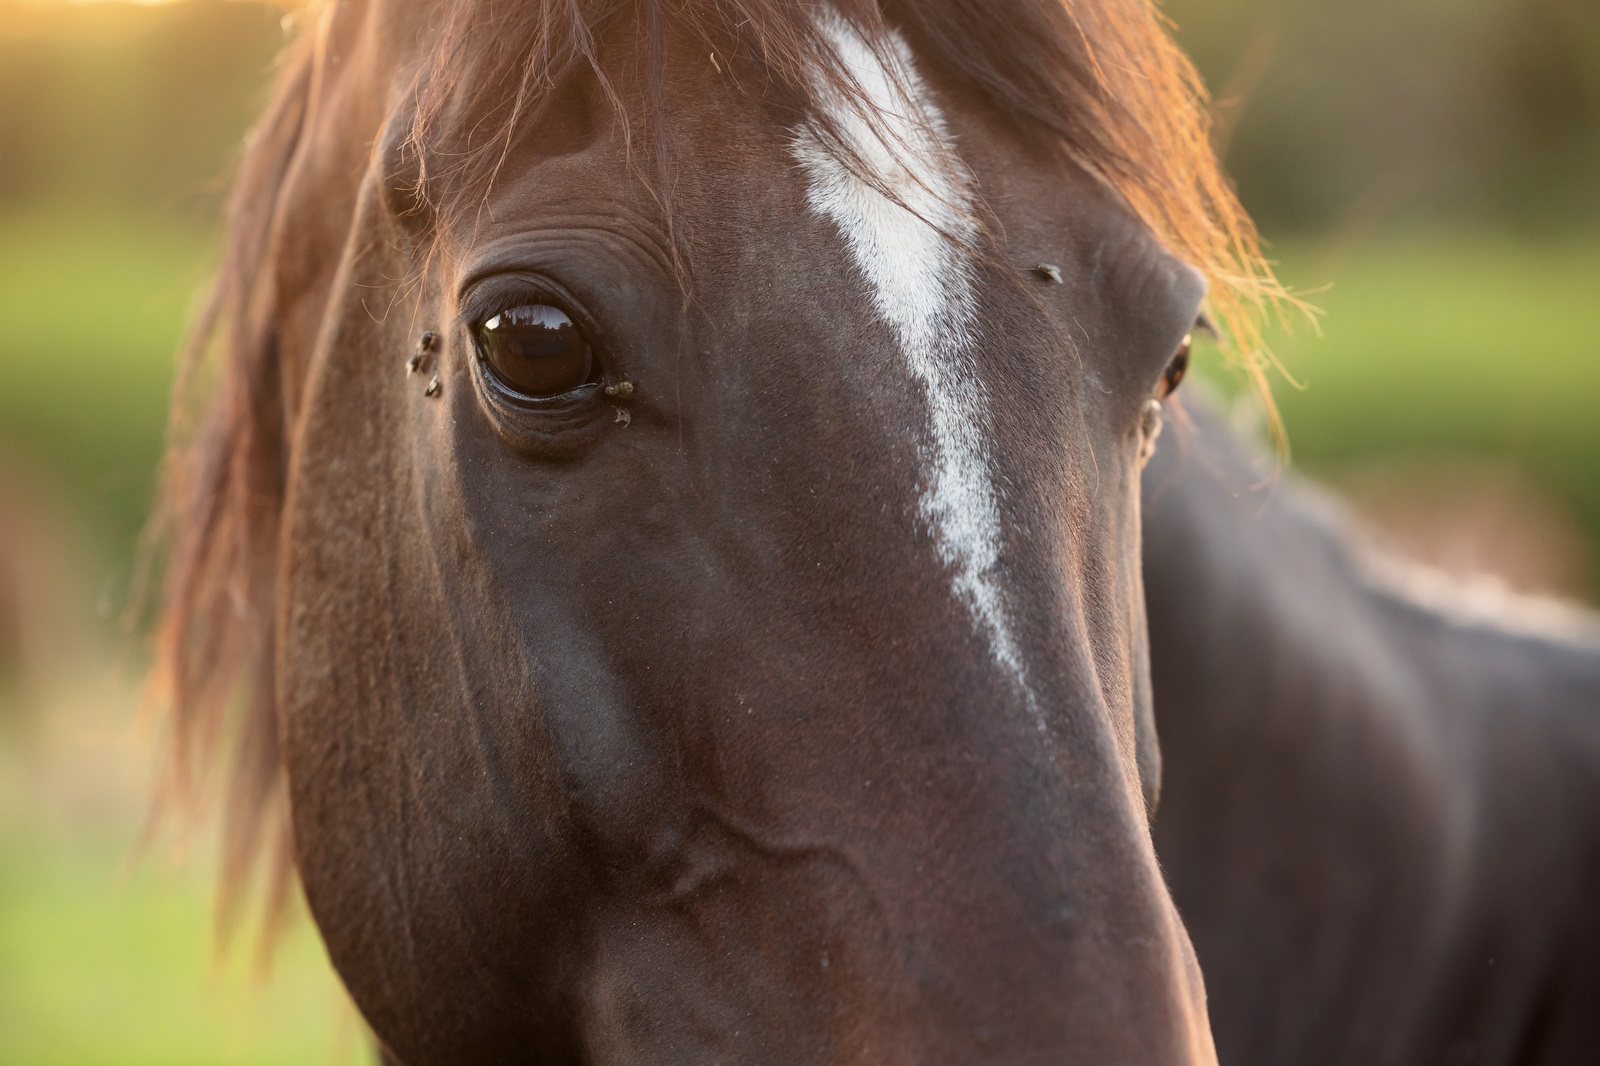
[
  {"x": 1172, "y": 377},
  {"x": 536, "y": 350}
]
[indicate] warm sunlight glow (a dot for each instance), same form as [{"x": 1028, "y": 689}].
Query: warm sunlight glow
[{"x": 78, "y": 3}]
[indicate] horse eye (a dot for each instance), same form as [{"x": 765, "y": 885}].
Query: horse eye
[
  {"x": 536, "y": 350},
  {"x": 1172, "y": 377}
]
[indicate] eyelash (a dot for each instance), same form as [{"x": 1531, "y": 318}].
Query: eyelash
[{"x": 498, "y": 295}]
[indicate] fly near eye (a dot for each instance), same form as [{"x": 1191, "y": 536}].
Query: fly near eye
[
  {"x": 537, "y": 350},
  {"x": 1172, "y": 377}
]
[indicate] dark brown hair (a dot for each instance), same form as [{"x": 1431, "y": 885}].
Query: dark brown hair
[{"x": 1101, "y": 82}]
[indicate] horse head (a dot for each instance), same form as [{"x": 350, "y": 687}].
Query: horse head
[{"x": 682, "y": 467}]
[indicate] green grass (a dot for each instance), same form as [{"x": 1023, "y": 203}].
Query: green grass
[
  {"x": 91, "y": 312},
  {"x": 1450, "y": 343},
  {"x": 99, "y": 965}
]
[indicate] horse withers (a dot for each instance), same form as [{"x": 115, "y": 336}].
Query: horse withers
[{"x": 673, "y": 501}]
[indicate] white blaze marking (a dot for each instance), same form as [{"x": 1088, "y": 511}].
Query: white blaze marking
[{"x": 910, "y": 253}]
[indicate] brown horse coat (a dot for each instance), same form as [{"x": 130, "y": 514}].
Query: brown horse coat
[
  {"x": 773, "y": 686},
  {"x": 1381, "y": 813}
]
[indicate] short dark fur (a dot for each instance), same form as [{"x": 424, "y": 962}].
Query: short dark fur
[
  {"x": 1099, "y": 82},
  {"x": 666, "y": 738},
  {"x": 1381, "y": 822}
]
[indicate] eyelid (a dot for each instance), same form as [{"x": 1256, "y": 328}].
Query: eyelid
[
  {"x": 495, "y": 294},
  {"x": 539, "y": 318}
]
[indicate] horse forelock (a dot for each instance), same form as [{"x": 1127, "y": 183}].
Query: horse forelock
[{"x": 1099, "y": 82}]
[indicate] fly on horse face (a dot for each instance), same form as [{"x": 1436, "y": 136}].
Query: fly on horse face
[
  {"x": 1382, "y": 811},
  {"x": 671, "y": 506}
]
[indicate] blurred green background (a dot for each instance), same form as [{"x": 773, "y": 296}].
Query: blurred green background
[{"x": 1427, "y": 171}]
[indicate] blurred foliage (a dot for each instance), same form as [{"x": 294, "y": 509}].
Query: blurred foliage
[
  {"x": 94, "y": 304},
  {"x": 129, "y": 107},
  {"x": 118, "y": 127},
  {"x": 1348, "y": 112},
  {"x": 1485, "y": 111},
  {"x": 1440, "y": 349}
]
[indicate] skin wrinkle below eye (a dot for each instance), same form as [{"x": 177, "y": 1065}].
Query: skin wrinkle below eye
[{"x": 921, "y": 285}]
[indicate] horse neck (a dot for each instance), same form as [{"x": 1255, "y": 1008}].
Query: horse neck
[
  {"x": 1325, "y": 730},
  {"x": 1265, "y": 605},
  {"x": 1259, "y": 618}
]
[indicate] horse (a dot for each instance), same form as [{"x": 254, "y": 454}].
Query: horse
[
  {"x": 1381, "y": 819},
  {"x": 655, "y": 505}
]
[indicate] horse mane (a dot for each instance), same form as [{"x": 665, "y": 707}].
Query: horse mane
[
  {"x": 1099, "y": 82},
  {"x": 217, "y": 518}
]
